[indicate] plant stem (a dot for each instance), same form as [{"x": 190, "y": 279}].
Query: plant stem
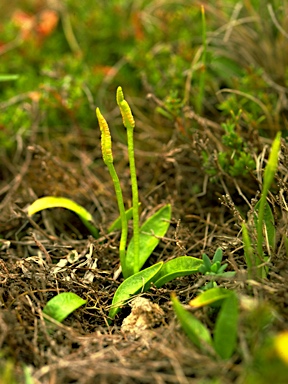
[
  {"x": 121, "y": 207},
  {"x": 106, "y": 147},
  {"x": 135, "y": 198},
  {"x": 129, "y": 123}
]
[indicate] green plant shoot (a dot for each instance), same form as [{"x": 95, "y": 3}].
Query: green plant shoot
[
  {"x": 106, "y": 147},
  {"x": 129, "y": 124},
  {"x": 269, "y": 174}
]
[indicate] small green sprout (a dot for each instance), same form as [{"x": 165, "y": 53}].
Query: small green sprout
[
  {"x": 214, "y": 268},
  {"x": 263, "y": 218}
]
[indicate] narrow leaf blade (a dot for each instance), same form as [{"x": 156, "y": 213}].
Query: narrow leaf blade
[
  {"x": 225, "y": 333},
  {"x": 181, "y": 266},
  {"x": 194, "y": 329},
  {"x": 132, "y": 285},
  {"x": 217, "y": 256},
  {"x": 209, "y": 297},
  {"x": 62, "y": 305},
  {"x": 156, "y": 226}
]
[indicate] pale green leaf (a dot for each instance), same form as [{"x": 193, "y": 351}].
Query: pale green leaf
[
  {"x": 132, "y": 285},
  {"x": 62, "y": 202},
  {"x": 211, "y": 296},
  {"x": 62, "y": 305},
  {"x": 154, "y": 228}
]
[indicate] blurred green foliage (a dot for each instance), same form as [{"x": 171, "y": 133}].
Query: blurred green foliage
[{"x": 67, "y": 59}]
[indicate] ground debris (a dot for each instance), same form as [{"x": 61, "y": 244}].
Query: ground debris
[{"x": 144, "y": 315}]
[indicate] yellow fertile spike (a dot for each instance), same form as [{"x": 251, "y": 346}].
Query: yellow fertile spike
[
  {"x": 119, "y": 95},
  {"x": 128, "y": 119},
  {"x": 106, "y": 143}
]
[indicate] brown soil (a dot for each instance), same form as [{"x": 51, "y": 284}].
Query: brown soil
[{"x": 84, "y": 348}]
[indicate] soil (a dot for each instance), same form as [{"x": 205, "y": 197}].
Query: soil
[{"x": 85, "y": 348}]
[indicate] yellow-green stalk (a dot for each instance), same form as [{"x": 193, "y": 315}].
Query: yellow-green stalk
[
  {"x": 106, "y": 147},
  {"x": 129, "y": 123}
]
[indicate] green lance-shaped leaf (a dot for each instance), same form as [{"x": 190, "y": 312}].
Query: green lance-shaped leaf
[
  {"x": 225, "y": 332},
  {"x": 134, "y": 284},
  {"x": 272, "y": 163},
  {"x": 194, "y": 329},
  {"x": 62, "y": 202},
  {"x": 60, "y": 306},
  {"x": 181, "y": 266},
  {"x": 211, "y": 296},
  {"x": 156, "y": 225},
  {"x": 218, "y": 255}
]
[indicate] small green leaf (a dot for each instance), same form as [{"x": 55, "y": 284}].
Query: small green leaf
[
  {"x": 132, "y": 285},
  {"x": 117, "y": 225},
  {"x": 156, "y": 226},
  {"x": 217, "y": 256},
  {"x": 272, "y": 163},
  {"x": 195, "y": 330},
  {"x": 202, "y": 269},
  {"x": 222, "y": 269},
  {"x": 207, "y": 262},
  {"x": 225, "y": 333},
  {"x": 62, "y": 202},
  {"x": 181, "y": 266},
  {"x": 209, "y": 297},
  {"x": 60, "y": 306},
  {"x": 215, "y": 267}
]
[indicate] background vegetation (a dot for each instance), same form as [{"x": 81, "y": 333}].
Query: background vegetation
[{"x": 207, "y": 84}]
